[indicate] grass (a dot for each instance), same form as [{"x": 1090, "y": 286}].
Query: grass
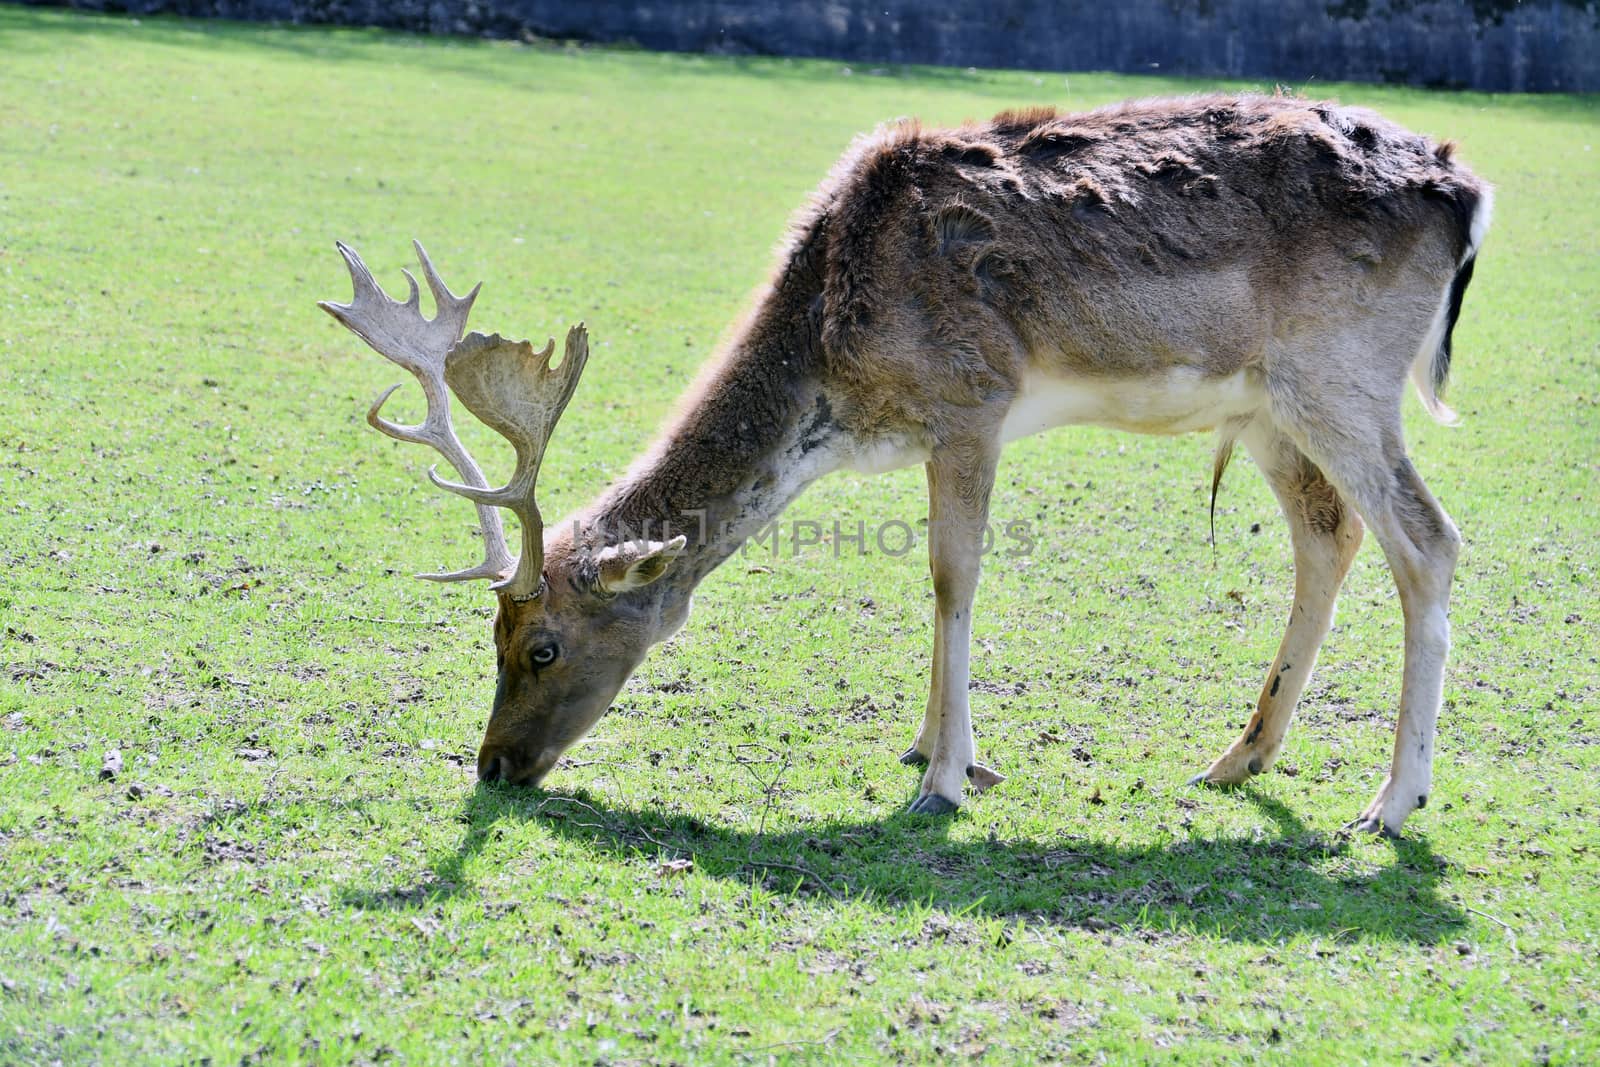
[{"x": 203, "y": 565}]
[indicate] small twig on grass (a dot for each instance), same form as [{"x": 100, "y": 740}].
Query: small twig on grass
[
  {"x": 601, "y": 825},
  {"x": 397, "y": 622},
  {"x": 797, "y": 868},
  {"x": 569, "y": 800},
  {"x": 1511, "y": 935},
  {"x": 270, "y": 786},
  {"x": 825, "y": 1039},
  {"x": 661, "y": 844},
  {"x": 624, "y": 831},
  {"x": 1056, "y": 857},
  {"x": 769, "y": 786}
]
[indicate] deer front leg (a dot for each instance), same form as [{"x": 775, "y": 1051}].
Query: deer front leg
[{"x": 959, "y": 482}]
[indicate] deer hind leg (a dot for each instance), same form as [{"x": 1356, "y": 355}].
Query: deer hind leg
[
  {"x": 1366, "y": 459},
  {"x": 959, "y": 482},
  {"x": 1421, "y": 545},
  {"x": 1325, "y": 533}
]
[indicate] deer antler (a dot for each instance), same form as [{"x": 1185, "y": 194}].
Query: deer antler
[
  {"x": 514, "y": 391},
  {"x": 525, "y": 413}
]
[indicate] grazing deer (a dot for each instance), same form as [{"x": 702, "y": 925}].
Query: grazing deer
[{"x": 1269, "y": 268}]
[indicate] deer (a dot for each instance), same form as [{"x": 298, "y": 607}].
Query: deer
[{"x": 1270, "y": 269}]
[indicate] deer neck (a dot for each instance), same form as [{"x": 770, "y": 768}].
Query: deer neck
[{"x": 756, "y": 431}]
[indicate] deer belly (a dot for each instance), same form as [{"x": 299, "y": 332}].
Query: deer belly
[{"x": 1180, "y": 400}]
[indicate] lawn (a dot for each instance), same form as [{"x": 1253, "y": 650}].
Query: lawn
[{"x": 205, "y": 559}]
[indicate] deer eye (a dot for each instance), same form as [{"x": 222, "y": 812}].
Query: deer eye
[{"x": 544, "y": 655}]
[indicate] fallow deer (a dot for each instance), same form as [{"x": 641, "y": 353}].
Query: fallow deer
[{"x": 1269, "y": 268}]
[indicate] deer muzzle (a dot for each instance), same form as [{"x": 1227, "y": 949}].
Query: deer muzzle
[{"x": 497, "y": 763}]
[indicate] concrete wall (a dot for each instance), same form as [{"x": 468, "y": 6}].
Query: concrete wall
[{"x": 1517, "y": 45}]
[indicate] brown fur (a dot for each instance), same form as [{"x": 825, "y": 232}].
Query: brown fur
[
  {"x": 934, "y": 264},
  {"x": 1119, "y": 240}
]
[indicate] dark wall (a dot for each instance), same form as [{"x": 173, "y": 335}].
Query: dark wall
[{"x": 1536, "y": 45}]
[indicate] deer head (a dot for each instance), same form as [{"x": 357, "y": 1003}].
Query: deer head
[{"x": 575, "y": 618}]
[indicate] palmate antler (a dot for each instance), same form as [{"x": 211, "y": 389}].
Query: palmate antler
[
  {"x": 514, "y": 391},
  {"x": 504, "y": 383}
]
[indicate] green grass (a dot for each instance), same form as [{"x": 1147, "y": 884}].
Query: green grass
[{"x": 204, "y": 560}]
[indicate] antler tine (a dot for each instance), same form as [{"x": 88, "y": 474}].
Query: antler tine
[
  {"x": 452, "y": 308},
  {"x": 399, "y": 332},
  {"x": 514, "y": 390},
  {"x": 497, "y": 561}
]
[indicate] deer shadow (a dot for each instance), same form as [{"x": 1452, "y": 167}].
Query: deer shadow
[{"x": 1260, "y": 888}]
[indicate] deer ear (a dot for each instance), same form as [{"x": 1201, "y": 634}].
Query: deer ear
[{"x": 634, "y": 564}]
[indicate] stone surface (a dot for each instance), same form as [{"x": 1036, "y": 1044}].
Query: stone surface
[{"x": 1503, "y": 45}]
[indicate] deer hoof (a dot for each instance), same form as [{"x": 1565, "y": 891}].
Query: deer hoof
[
  {"x": 1203, "y": 780},
  {"x": 912, "y": 758},
  {"x": 983, "y": 778},
  {"x": 1388, "y": 810},
  {"x": 1371, "y": 824},
  {"x": 1219, "y": 777},
  {"x": 932, "y": 804}
]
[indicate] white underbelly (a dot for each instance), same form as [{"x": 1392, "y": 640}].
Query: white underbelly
[
  {"x": 888, "y": 452},
  {"x": 1175, "y": 401},
  {"x": 1181, "y": 400}
]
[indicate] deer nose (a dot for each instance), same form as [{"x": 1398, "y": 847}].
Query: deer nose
[
  {"x": 493, "y": 768},
  {"x": 513, "y": 768}
]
